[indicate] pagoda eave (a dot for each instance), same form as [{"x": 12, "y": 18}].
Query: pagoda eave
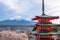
[
  {"x": 49, "y": 17},
  {"x": 50, "y": 33},
  {"x": 46, "y": 16},
  {"x": 52, "y": 25}
]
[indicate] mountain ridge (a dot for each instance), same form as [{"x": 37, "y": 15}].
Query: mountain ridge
[{"x": 16, "y": 22}]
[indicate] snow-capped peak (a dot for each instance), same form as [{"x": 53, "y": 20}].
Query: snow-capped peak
[{"x": 16, "y": 18}]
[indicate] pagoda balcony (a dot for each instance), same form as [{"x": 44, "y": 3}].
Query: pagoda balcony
[
  {"x": 50, "y": 25},
  {"x": 49, "y": 33}
]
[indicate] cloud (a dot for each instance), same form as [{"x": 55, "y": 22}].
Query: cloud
[
  {"x": 28, "y": 8},
  {"x": 23, "y": 8},
  {"x": 53, "y": 9},
  {"x": 37, "y": 1},
  {"x": 16, "y": 18},
  {"x": 5, "y": 12},
  {"x": 17, "y": 5},
  {"x": 56, "y": 21},
  {"x": 11, "y": 8}
]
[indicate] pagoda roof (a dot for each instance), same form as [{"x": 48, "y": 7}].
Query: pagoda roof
[
  {"x": 49, "y": 33},
  {"x": 47, "y": 16},
  {"x": 54, "y": 25}
]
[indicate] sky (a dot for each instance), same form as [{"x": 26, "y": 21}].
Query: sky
[{"x": 27, "y": 9}]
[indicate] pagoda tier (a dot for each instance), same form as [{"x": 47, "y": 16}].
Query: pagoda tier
[
  {"x": 43, "y": 19},
  {"x": 45, "y": 36},
  {"x": 45, "y": 16},
  {"x": 45, "y": 27}
]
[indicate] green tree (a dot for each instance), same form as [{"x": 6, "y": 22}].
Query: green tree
[
  {"x": 55, "y": 29},
  {"x": 34, "y": 29}
]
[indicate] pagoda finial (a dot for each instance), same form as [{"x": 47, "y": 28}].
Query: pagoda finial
[{"x": 43, "y": 7}]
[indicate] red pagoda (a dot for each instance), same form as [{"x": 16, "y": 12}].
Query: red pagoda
[{"x": 43, "y": 28}]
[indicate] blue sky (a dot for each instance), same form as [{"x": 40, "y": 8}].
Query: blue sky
[{"x": 27, "y": 9}]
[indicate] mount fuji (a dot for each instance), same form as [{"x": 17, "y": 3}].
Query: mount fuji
[{"x": 16, "y": 21}]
